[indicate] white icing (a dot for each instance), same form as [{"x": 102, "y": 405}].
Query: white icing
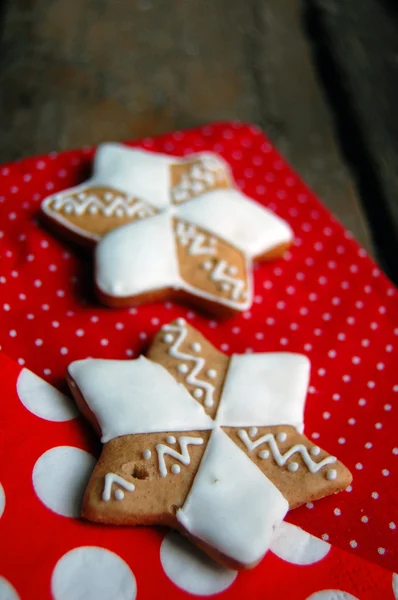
[
  {"x": 119, "y": 494},
  {"x": 118, "y": 206},
  {"x": 137, "y": 258},
  {"x": 216, "y": 508},
  {"x": 253, "y": 431},
  {"x": 145, "y": 175},
  {"x": 136, "y": 396},
  {"x": 331, "y": 475},
  {"x": 315, "y": 451},
  {"x": 281, "y": 459},
  {"x": 175, "y": 469},
  {"x": 198, "y": 393},
  {"x": 186, "y": 234},
  {"x": 239, "y": 220},
  {"x": 183, "y": 456},
  {"x": 196, "y": 347},
  {"x": 109, "y": 480},
  {"x": 292, "y": 467},
  {"x": 281, "y": 437},
  {"x": 147, "y": 454},
  {"x": 263, "y": 454},
  {"x": 170, "y": 439},
  {"x": 183, "y": 368},
  {"x": 199, "y": 363},
  {"x": 265, "y": 389},
  {"x": 211, "y": 373},
  {"x": 219, "y": 273}
]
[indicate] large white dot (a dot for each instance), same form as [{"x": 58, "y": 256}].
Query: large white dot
[
  {"x": 2, "y": 500},
  {"x": 395, "y": 585},
  {"x": 7, "y": 591},
  {"x": 60, "y": 477},
  {"x": 42, "y": 399},
  {"x": 190, "y": 569},
  {"x": 331, "y": 595},
  {"x": 296, "y": 546},
  {"x": 92, "y": 573}
]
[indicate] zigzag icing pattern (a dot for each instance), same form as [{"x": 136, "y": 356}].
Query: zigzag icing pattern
[
  {"x": 281, "y": 459},
  {"x": 182, "y": 456},
  {"x": 186, "y": 233},
  {"x": 227, "y": 282},
  {"x": 93, "y": 204},
  {"x": 200, "y": 178},
  {"x": 200, "y": 362}
]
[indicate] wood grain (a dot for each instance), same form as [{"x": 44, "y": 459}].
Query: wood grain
[{"x": 76, "y": 72}]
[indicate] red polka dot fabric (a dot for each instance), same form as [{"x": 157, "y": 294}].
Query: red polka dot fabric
[{"x": 326, "y": 299}]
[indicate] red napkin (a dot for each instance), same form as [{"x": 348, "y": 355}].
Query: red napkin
[{"x": 326, "y": 299}]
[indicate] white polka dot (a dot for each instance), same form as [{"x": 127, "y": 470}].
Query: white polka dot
[
  {"x": 364, "y": 519},
  {"x": 42, "y": 399},
  {"x": 60, "y": 477},
  {"x": 381, "y": 550},
  {"x": 375, "y": 495},
  {"x": 337, "y": 512},
  {"x": 7, "y": 591},
  {"x": 392, "y": 525},
  {"x": 2, "y": 500},
  {"x": 331, "y": 595},
  {"x": 92, "y": 573},
  {"x": 296, "y": 546},
  {"x": 190, "y": 569},
  {"x": 341, "y": 440}
]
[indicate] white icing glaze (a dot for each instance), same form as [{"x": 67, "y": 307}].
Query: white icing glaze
[
  {"x": 199, "y": 363},
  {"x": 92, "y": 203},
  {"x": 145, "y": 175},
  {"x": 292, "y": 467},
  {"x": 275, "y": 383},
  {"x": 183, "y": 456},
  {"x": 196, "y": 347},
  {"x": 186, "y": 234},
  {"x": 168, "y": 338},
  {"x": 211, "y": 373},
  {"x": 263, "y": 454},
  {"x": 253, "y": 431},
  {"x": 315, "y": 451},
  {"x": 137, "y": 258},
  {"x": 281, "y": 459},
  {"x": 147, "y": 454},
  {"x": 281, "y": 437},
  {"x": 175, "y": 469},
  {"x": 216, "y": 509},
  {"x": 331, "y": 475},
  {"x": 170, "y": 439},
  {"x": 236, "y": 285},
  {"x": 239, "y": 220},
  {"x": 110, "y": 479},
  {"x": 136, "y": 396}
]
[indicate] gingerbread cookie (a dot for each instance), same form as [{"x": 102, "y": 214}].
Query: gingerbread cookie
[
  {"x": 205, "y": 443},
  {"x": 168, "y": 227}
]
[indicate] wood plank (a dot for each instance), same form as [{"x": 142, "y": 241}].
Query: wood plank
[
  {"x": 131, "y": 69},
  {"x": 362, "y": 40}
]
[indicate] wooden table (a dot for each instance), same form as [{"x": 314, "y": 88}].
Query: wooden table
[{"x": 76, "y": 72}]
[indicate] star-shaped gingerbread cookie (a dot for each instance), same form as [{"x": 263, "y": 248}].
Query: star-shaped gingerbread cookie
[
  {"x": 168, "y": 227},
  {"x": 205, "y": 443}
]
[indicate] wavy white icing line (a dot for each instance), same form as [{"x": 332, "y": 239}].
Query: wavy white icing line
[
  {"x": 186, "y": 232},
  {"x": 183, "y": 456},
  {"x": 110, "y": 479},
  {"x": 118, "y": 206},
  {"x": 199, "y": 361},
  {"x": 198, "y": 179},
  {"x": 281, "y": 459},
  {"x": 219, "y": 274}
]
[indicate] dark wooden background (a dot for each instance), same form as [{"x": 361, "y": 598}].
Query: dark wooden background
[{"x": 319, "y": 76}]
